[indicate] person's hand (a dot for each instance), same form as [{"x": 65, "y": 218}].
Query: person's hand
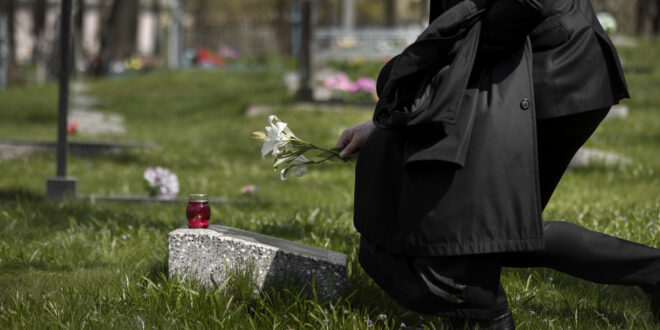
[{"x": 354, "y": 137}]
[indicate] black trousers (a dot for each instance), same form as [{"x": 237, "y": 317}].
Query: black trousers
[{"x": 469, "y": 286}]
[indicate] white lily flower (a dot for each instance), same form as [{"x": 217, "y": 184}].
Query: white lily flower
[
  {"x": 278, "y": 135},
  {"x": 287, "y": 149}
]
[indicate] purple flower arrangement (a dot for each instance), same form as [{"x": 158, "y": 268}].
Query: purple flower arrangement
[
  {"x": 161, "y": 183},
  {"x": 341, "y": 82}
]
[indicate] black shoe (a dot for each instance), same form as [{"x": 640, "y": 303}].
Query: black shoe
[{"x": 502, "y": 322}]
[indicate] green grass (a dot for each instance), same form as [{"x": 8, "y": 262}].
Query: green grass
[{"x": 85, "y": 264}]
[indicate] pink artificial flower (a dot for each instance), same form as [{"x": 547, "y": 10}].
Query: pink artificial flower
[
  {"x": 353, "y": 88},
  {"x": 339, "y": 81},
  {"x": 72, "y": 126},
  {"x": 366, "y": 85}
]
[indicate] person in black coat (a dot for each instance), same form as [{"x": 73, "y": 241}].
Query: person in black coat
[{"x": 447, "y": 263}]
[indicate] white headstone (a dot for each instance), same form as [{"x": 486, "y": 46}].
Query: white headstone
[
  {"x": 90, "y": 30},
  {"x": 146, "y": 35},
  {"x": 25, "y": 42}
]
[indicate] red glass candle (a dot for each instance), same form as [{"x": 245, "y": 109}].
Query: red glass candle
[{"x": 198, "y": 211}]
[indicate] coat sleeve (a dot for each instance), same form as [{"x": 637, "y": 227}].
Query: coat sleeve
[{"x": 508, "y": 22}]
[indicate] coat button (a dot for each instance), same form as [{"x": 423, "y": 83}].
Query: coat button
[{"x": 524, "y": 104}]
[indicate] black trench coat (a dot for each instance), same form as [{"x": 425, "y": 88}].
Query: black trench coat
[{"x": 452, "y": 167}]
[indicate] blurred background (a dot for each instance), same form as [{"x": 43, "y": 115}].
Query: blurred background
[
  {"x": 111, "y": 37},
  {"x": 177, "y": 86},
  {"x": 212, "y": 58}
]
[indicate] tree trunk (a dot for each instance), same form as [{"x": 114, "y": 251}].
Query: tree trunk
[
  {"x": 158, "y": 46},
  {"x": 38, "y": 54},
  {"x": 38, "y": 17},
  {"x": 283, "y": 27},
  {"x": 118, "y": 34},
  {"x": 390, "y": 12},
  {"x": 124, "y": 29},
  {"x": 656, "y": 18},
  {"x": 10, "y": 6},
  {"x": 200, "y": 23},
  {"x": 78, "y": 54},
  {"x": 644, "y": 18}
]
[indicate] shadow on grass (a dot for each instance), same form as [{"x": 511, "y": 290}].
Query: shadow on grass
[
  {"x": 587, "y": 315},
  {"x": 20, "y": 195},
  {"x": 18, "y": 267},
  {"x": 31, "y": 216},
  {"x": 561, "y": 296},
  {"x": 125, "y": 157},
  {"x": 568, "y": 283},
  {"x": 158, "y": 271},
  {"x": 118, "y": 156}
]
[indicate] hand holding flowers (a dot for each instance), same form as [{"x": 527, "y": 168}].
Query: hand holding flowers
[
  {"x": 290, "y": 152},
  {"x": 352, "y": 139}
]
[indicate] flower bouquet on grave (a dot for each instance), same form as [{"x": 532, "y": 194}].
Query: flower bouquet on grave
[
  {"x": 291, "y": 153},
  {"x": 161, "y": 183}
]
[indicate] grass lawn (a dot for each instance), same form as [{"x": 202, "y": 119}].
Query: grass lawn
[{"x": 85, "y": 264}]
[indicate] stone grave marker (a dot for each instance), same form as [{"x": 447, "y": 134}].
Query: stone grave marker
[
  {"x": 619, "y": 111},
  {"x": 586, "y": 157},
  {"x": 210, "y": 255},
  {"x": 85, "y": 101}
]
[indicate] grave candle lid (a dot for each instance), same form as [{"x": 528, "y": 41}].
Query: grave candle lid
[{"x": 198, "y": 198}]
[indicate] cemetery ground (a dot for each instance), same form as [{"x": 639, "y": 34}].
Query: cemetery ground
[{"x": 98, "y": 264}]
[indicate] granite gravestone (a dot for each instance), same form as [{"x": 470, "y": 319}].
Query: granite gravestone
[{"x": 210, "y": 255}]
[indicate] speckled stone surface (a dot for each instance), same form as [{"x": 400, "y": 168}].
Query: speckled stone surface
[{"x": 208, "y": 255}]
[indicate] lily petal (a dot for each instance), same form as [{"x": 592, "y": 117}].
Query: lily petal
[
  {"x": 284, "y": 173},
  {"x": 272, "y": 118},
  {"x": 267, "y": 148},
  {"x": 280, "y": 127},
  {"x": 271, "y": 133}
]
